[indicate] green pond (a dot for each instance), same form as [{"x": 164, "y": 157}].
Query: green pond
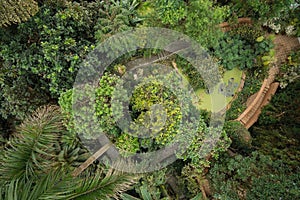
[{"x": 222, "y": 93}]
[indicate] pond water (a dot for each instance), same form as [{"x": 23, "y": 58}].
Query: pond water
[{"x": 225, "y": 90}]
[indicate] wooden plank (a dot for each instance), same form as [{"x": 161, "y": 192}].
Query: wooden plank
[
  {"x": 255, "y": 101},
  {"x": 91, "y": 159},
  {"x": 265, "y": 101}
]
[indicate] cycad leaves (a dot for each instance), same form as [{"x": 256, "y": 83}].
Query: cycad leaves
[{"x": 33, "y": 148}]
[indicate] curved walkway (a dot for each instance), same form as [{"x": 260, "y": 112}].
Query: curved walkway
[
  {"x": 283, "y": 46},
  {"x": 268, "y": 88}
]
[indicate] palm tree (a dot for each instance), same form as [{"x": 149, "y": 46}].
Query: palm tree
[{"x": 30, "y": 167}]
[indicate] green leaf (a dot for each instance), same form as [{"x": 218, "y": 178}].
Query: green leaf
[
  {"x": 266, "y": 58},
  {"x": 145, "y": 194},
  {"x": 260, "y": 39},
  {"x": 128, "y": 197},
  {"x": 266, "y": 63},
  {"x": 197, "y": 197}
]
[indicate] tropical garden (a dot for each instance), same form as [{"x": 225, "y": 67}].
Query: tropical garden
[{"x": 43, "y": 44}]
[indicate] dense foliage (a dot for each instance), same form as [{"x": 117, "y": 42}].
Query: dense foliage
[
  {"x": 280, "y": 16},
  {"x": 40, "y": 58},
  {"x": 198, "y": 19},
  {"x": 253, "y": 177},
  {"x": 245, "y": 47},
  {"x": 42, "y": 44},
  {"x": 16, "y": 11},
  {"x": 276, "y": 132}
]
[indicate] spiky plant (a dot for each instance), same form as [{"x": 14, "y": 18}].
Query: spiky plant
[
  {"x": 57, "y": 185},
  {"x": 32, "y": 149},
  {"x": 30, "y": 169}
]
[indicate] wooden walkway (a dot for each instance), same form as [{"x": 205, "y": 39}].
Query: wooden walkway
[
  {"x": 283, "y": 46},
  {"x": 262, "y": 98}
]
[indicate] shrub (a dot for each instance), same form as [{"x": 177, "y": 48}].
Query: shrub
[
  {"x": 40, "y": 58},
  {"x": 117, "y": 16},
  {"x": 251, "y": 177},
  {"x": 197, "y": 19},
  {"x": 278, "y": 186},
  {"x": 240, "y": 136},
  {"x": 247, "y": 32},
  {"x": 261, "y": 9},
  {"x": 276, "y": 132},
  {"x": 234, "y": 51},
  {"x": 16, "y": 11},
  {"x": 290, "y": 71}
]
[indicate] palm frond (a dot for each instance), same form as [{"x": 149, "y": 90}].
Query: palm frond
[
  {"x": 9, "y": 191},
  {"x": 97, "y": 187},
  {"x": 57, "y": 185},
  {"x": 128, "y": 197},
  {"x": 32, "y": 149},
  {"x": 29, "y": 170},
  {"x": 55, "y": 182}
]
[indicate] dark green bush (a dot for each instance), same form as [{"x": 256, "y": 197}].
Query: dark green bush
[
  {"x": 261, "y": 9},
  {"x": 278, "y": 186},
  {"x": 240, "y": 136},
  {"x": 39, "y": 59},
  {"x": 51, "y": 45},
  {"x": 277, "y": 131},
  {"x": 247, "y": 32},
  {"x": 234, "y": 52},
  {"x": 253, "y": 177},
  {"x": 196, "y": 18},
  {"x": 237, "y": 51}
]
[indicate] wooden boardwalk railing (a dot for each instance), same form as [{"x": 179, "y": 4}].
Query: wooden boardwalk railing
[
  {"x": 252, "y": 112},
  {"x": 283, "y": 46}
]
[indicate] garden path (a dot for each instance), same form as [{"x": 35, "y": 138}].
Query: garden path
[{"x": 283, "y": 46}]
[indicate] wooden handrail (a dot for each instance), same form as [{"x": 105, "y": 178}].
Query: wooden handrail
[
  {"x": 244, "y": 20},
  {"x": 255, "y": 101}
]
